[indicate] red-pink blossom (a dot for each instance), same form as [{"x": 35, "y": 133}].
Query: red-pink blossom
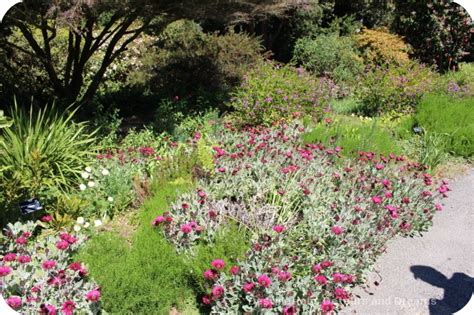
[
  {"x": 62, "y": 245},
  {"x": 93, "y": 295},
  {"x": 266, "y": 303},
  {"x": 186, "y": 228},
  {"x": 338, "y": 277},
  {"x": 327, "y": 306},
  {"x": 377, "y": 199},
  {"x": 337, "y": 230},
  {"x": 279, "y": 228},
  {"x": 5, "y": 271},
  {"x": 206, "y": 300},
  {"x": 68, "y": 307},
  {"x": 210, "y": 274},
  {"x": 234, "y": 270},
  {"x": 46, "y": 218},
  {"x": 290, "y": 310},
  {"x": 248, "y": 287},
  {"x": 264, "y": 281},
  {"x": 21, "y": 240},
  {"x": 217, "y": 291},
  {"x": 218, "y": 264},
  {"x": 48, "y": 264},
  {"x": 341, "y": 294},
  {"x": 321, "y": 279},
  {"x": 14, "y": 302},
  {"x": 47, "y": 309},
  {"x": 24, "y": 259},
  {"x": 9, "y": 257}
]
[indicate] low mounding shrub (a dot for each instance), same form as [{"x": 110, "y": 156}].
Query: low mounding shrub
[
  {"x": 272, "y": 92},
  {"x": 380, "y": 47},
  {"x": 451, "y": 116},
  {"x": 43, "y": 150},
  {"x": 393, "y": 88},
  {"x": 38, "y": 276},
  {"x": 319, "y": 221},
  {"x": 354, "y": 134},
  {"x": 331, "y": 55}
]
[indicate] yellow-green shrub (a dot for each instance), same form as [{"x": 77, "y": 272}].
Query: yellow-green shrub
[{"x": 378, "y": 47}]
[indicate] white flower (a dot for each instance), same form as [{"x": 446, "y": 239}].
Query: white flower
[
  {"x": 85, "y": 175},
  {"x": 97, "y": 223},
  {"x": 105, "y": 172},
  {"x": 82, "y": 187},
  {"x": 88, "y": 169},
  {"x": 80, "y": 220},
  {"x": 91, "y": 184},
  {"x": 77, "y": 228},
  {"x": 110, "y": 199},
  {"x": 86, "y": 225}
]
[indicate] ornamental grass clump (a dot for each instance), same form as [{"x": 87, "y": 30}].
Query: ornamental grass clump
[
  {"x": 38, "y": 276},
  {"x": 318, "y": 221}
]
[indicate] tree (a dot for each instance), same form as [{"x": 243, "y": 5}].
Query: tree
[
  {"x": 440, "y": 32},
  {"x": 108, "y": 26}
]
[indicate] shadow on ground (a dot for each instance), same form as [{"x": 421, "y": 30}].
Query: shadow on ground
[{"x": 458, "y": 289}]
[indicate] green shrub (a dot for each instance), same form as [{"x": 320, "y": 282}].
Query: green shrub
[
  {"x": 354, "y": 134},
  {"x": 190, "y": 63},
  {"x": 457, "y": 83},
  {"x": 44, "y": 150},
  {"x": 331, "y": 55},
  {"x": 442, "y": 114},
  {"x": 272, "y": 92},
  {"x": 393, "y": 88}
]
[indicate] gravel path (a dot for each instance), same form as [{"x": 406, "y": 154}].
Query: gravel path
[{"x": 432, "y": 274}]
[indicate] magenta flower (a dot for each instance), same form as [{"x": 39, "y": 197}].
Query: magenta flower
[
  {"x": 317, "y": 268},
  {"x": 47, "y": 309},
  {"x": 46, "y": 218},
  {"x": 68, "y": 307},
  {"x": 5, "y": 271},
  {"x": 21, "y": 240},
  {"x": 68, "y": 238},
  {"x": 321, "y": 279},
  {"x": 248, "y": 287},
  {"x": 284, "y": 276},
  {"x": 217, "y": 291},
  {"x": 327, "y": 306},
  {"x": 48, "y": 264},
  {"x": 266, "y": 303},
  {"x": 337, "y": 230},
  {"x": 93, "y": 295},
  {"x": 186, "y": 228},
  {"x": 290, "y": 310},
  {"x": 9, "y": 257},
  {"x": 158, "y": 220},
  {"x": 377, "y": 199},
  {"x": 209, "y": 274},
  {"x": 341, "y": 294},
  {"x": 326, "y": 264},
  {"x": 264, "y": 281},
  {"x": 62, "y": 245},
  {"x": 438, "y": 207},
  {"x": 206, "y": 300},
  {"x": 338, "y": 277},
  {"x": 218, "y": 264},
  {"x": 14, "y": 302},
  {"x": 24, "y": 259},
  {"x": 279, "y": 228},
  {"x": 379, "y": 166},
  {"x": 234, "y": 270}
]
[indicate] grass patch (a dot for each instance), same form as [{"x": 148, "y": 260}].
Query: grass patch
[
  {"x": 354, "y": 134},
  {"x": 148, "y": 277},
  {"x": 451, "y": 118}
]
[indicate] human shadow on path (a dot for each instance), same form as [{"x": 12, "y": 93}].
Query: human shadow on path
[{"x": 457, "y": 291}]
